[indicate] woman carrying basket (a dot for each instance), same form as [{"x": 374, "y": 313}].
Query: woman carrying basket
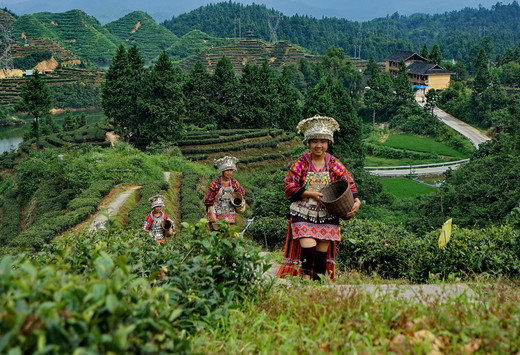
[
  {"x": 222, "y": 192},
  {"x": 313, "y": 232}
]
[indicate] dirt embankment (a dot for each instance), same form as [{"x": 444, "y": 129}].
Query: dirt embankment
[{"x": 49, "y": 64}]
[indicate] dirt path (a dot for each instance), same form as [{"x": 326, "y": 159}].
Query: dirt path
[
  {"x": 98, "y": 223},
  {"x": 419, "y": 292}
]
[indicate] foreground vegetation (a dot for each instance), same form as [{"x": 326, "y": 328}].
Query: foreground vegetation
[
  {"x": 302, "y": 319},
  {"x": 118, "y": 291}
]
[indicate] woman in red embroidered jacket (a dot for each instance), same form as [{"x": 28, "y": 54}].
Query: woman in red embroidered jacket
[
  {"x": 218, "y": 200},
  {"x": 313, "y": 232}
]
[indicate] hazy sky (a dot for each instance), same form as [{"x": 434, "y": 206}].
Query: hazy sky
[{"x": 359, "y": 10}]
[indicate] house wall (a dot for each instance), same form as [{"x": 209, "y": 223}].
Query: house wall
[{"x": 439, "y": 82}]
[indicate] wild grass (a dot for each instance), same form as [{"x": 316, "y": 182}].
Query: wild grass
[
  {"x": 405, "y": 188},
  {"x": 310, "y": 319}
]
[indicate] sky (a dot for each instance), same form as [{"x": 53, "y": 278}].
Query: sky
[{"x": 356, "y": 10}]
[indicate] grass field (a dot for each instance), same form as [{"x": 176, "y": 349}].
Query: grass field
[
  {"x": 422, "y": 144},
  {"x": 405, "y": 188},
  {"x": 378, "y": 161}
]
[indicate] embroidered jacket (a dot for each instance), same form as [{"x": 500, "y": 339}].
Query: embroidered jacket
[
  {"x": 295, "y": 179},
  {"x": 155, "y": 230},
  {"x": 216, "y": 185}
]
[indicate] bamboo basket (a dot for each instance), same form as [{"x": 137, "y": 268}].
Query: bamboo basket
[{"x": 338, "y": 198}]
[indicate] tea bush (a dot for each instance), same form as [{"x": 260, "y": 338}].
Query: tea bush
[
  {"x": 269, "y": 232},
  {"x": 122, "y": 292},
  {"x": 190, "y": 197},
  {"x": 393, "y": 252},
  {"x": 48, "y": 223},
  {"x": 10, "y": 217}
]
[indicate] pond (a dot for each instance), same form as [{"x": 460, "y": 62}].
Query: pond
[{"x": 12, "y": 136}]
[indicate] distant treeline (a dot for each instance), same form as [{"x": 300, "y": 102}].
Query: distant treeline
[{"x": 455, "y": 32}]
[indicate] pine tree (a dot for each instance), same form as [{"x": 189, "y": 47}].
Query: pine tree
[
  {"x": 161, "y": 103},
  {"x": 197, "y": 92},
  {"x": 435, "y": 55},
  {"x": 290, "y": 110},
  {"x": 329, "y": 98},
  {"x": 248, "y": 110},
  {"x": 134, "y": 86},
  {"x": 373, "y": 96},
  {"x": 36, "y": 101},
  {"x": 482, "y": 78},
  {"x": 225, "y": 94},
  {"x": 372, "y": 68},
  {"x": 403, "y": 88},
  {"x": 116, "y": 99},
  {"x": 424, "y": 52},
  {"x": 69, "y": 123}
]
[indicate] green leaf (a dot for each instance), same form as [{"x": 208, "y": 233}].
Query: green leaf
[
  {"x": 98, "y": 291},
  {"x": 111, "y": 303},
  {"x": 5, "y": 265},
  {"x": 29, "y": 269}
]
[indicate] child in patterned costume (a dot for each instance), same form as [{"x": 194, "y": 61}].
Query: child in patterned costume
[
  {"x": 218, "y": 199},
  {"x": 154, "y": 221},
  {"x": 314, "y": 232}
]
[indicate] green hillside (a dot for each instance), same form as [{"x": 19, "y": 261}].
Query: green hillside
[
  {"x": 138, "y": 28},
  {"x": 193, "y": 43},
  {"x": 250, "y": 51},
  {"x": 75, "y": 30},
  {"x": 64, "y": 55},
  {"x": 6, "y": 18}
]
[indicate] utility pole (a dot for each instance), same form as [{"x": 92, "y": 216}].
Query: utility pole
[
  {"x": 273, "y": 38},
  {"x": 5, "y": 49}
]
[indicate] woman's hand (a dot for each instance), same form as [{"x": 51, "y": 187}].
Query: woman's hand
[
  {"x": 355, "y": 208},
  {"x": 212, "y": 216},
  {"x": 316, "y": 195}
]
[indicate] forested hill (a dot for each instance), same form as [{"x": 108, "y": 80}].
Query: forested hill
[{"x": 455, "y": 32}]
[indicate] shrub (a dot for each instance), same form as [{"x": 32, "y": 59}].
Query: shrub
[
  {"x": 393, "y": 252},
  {"x": 269, "y": 232},
  {"x": 190, "y": 197},
  {"x": 122, "y": 293}
]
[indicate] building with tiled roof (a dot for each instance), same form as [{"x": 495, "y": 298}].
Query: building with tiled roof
[{"x": 421, "y": 71}]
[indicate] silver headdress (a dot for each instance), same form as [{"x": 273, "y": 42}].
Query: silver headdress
[
  {"x": 318, "y": 127},
  {"x": 226, "y": 163},
  {"x": 157, "y": 200}
]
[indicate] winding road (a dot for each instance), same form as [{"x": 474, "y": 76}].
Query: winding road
[{"x": 474, "y": 135}]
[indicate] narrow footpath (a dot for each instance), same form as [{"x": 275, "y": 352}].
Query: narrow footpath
[
  {"x": 421, "y": 293},
  {"x": 98, "y": 223}
]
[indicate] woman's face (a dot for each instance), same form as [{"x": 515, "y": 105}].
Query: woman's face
[
  {"x": 157, "y": 209},
  {"x": 228, "y": 173},
  {"x": 318, "y": 146}
]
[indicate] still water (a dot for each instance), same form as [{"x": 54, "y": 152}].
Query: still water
[{"x": 12, "y": 136}]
